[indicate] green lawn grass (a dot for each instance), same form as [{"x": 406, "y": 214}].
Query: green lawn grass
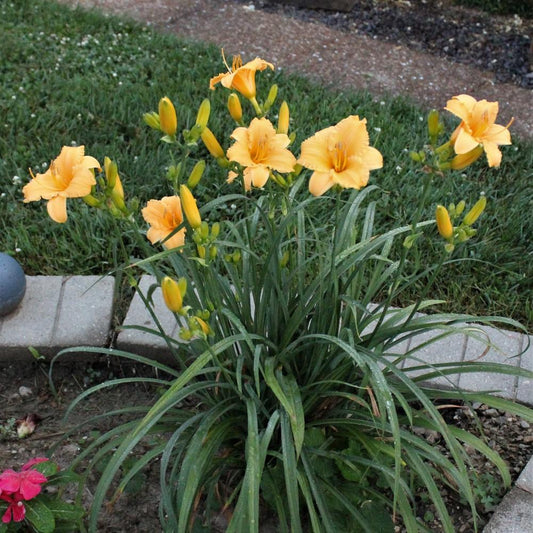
[{"x": 69, "y": 77}]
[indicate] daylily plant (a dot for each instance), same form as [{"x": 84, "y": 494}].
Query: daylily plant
[{"x": 287, "y": 394}]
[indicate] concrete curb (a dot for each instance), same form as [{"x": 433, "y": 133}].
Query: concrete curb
[{"x": 59, "y": 312}]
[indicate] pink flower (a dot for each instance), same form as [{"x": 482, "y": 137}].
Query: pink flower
[
  {"x": 15, "y": 510},
  {"x": 26, "y": 483},
  {"x": 34, "y": 461}
]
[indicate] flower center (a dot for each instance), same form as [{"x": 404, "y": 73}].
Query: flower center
[
  {"x": 237, "y": 63},
  {"x": 61, "y": 181},
  {"x": 259, "y": 150},
  {"x": 340, "y": 157}
]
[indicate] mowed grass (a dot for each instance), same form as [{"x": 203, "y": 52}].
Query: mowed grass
[{"x": 70, "y": 77}]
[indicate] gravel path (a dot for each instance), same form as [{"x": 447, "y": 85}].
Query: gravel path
[{"x": 327, "y": 54}]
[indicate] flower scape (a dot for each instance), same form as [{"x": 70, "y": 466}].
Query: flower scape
[{"x": 287, "y": 400}]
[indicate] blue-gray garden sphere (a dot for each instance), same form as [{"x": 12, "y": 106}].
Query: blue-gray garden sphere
[{"x": 12, "y": 284}]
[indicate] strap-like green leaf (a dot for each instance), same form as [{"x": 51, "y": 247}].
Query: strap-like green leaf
[{"x": 288, "y": 393}]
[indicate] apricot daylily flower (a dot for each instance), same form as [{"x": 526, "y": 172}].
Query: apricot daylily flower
[
  {"x": 477, "y": 127},
  {"x": 340, "y": 155},
  {"x": 241, "y": 77},
  {"x": 260, "y": 149},
  {"x": 70, "y": 175},
  {"x": 164, "y": 216}
]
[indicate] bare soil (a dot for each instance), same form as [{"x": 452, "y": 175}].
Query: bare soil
[{"x": 26, "y": 390}]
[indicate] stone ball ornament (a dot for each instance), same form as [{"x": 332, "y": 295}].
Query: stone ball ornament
[{"x": 12, "y": 284}]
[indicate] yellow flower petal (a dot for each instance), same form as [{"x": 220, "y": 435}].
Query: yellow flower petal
[
  {"x": 57, "y": 209},
  {"x": 257, "y": 176},
  {"x": 315, "y": 154},
  {"x": 320, "y": 182},
  {"x": 494, "y": 156},
  {"x": 464, "y": 142}
]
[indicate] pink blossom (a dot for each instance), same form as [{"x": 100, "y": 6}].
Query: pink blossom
[
  {"x": 34, "y": 461},
  {"x": 15, "y": 510},
  {"x": 27, "y": 483}
]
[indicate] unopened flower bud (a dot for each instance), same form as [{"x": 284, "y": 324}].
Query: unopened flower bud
[
  {"x": 213, "y": 252},
  {"x": 215, "y": 230},
  {"x": 461, "y": 161},
  {"x": 152, "y": 120},
  {"x": 185, "y": 334},
  {"x": 203, "y": 325},
  {"x": 283, "y": 119},
  {"x": 212, "y": 144},
  {"x": 475, "y": 212},
  {"x": 188, "y": 204},
  {"x": 433, "y": 124},
  {"x": 234, "y": 107},
  {"x": 204, "y": 230},
  {"x": 111, "y": 172},
  {"x": 91, "y": 200},
  {"x": 203, "y": 114},
  {"x": 196, "y": 174},
  {"x": 271, "y": 98},
  {"x": 172, "y": 294},
  {"x": 167, "y": 117},
  {"x": 201, "y": 251},
  {"x": 444, "y": 224},
  {"x": 173, "y": 172},
  {"x": 460, "y": 207}
]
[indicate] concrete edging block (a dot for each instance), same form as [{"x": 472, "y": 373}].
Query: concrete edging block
[{"x": 58, "y": 312}]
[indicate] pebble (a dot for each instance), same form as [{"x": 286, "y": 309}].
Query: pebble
[
  {"x": 25, "y": 392},
  {"x": 524, "y": 424}
]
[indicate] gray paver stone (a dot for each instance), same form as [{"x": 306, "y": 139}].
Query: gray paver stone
[
  {"x": 58, "y": 312},
  {"x": 85, "y": 311},
  {"x": 32, "y": 323},
  {"x": 449, "y": 349},
  {"x": 513, "y": 515},
  {"x": 503, "y": 348},
  {"x": 525, "y": 480},
  {"x": 142, "y": 342},
  {"x": 524, "y": 391}
]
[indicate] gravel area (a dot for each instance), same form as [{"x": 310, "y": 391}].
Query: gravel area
[{"x": 327, "y": 54}]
